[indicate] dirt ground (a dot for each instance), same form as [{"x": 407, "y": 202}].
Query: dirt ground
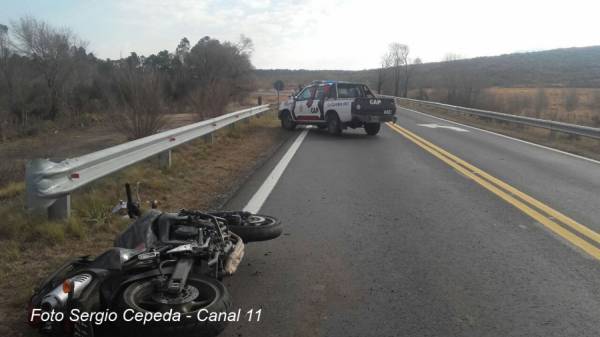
[{"x": 201, "y": 177}]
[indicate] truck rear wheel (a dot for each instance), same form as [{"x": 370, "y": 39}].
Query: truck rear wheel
[
  {"x": 372, "y": 128},
  {"x": 333, "y": 124}
]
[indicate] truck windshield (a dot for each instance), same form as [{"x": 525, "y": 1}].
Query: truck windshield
[{"x": 353, "y": 91}]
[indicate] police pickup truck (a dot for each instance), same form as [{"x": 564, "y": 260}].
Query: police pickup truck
[{"x": 335, "y": 105}]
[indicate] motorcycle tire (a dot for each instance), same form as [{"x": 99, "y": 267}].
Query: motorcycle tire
[
  {"x": 257, "y": 227},
  {"x": 140, "y": 296}
]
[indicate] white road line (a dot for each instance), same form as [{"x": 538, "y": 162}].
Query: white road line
[
  {"x": 261, "y": 195},
  {"x": 437, "y": 126},
  {"x": 508, "y": 137}
]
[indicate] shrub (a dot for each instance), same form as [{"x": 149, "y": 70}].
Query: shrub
[{"x": 138, "y": 101}]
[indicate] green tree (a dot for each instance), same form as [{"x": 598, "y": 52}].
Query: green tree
[
  {"x": 183, "y": 48},
  {"x": 160, "y": 62}
]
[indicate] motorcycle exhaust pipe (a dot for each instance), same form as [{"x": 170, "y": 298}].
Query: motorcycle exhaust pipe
[{"x": 57, "y": 298}]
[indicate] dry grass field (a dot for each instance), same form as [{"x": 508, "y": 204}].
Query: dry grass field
[{"x": 569, "y": 105}]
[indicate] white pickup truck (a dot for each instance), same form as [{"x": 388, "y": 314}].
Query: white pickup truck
[{"x": 337, "y": 105}]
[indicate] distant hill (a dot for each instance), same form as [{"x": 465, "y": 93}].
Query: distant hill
[{"x": 569, "y": 67}]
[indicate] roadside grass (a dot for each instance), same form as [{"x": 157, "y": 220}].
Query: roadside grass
[
  {"x": 201, "y": 176},
  {"x": 583, "y": 146},
  {"x": 12, "y": 190}
]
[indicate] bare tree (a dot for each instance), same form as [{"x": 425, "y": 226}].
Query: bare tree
[
  {"x": 450, "y": 76},
  {"x": 462, "y": 84},
  {"x": 409, "y": 70},
  {"x": 245, "y": 45},
  {"x": 15, "y": 76},
  {"x": 5, "y": 53},
  {"x": 399, "y": 54},
  {"x": 386, "y": 63},
  {"x": 52, "y": 51},
  {"x": 46, "y": 72}
]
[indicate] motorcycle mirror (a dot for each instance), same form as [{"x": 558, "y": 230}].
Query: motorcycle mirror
[{"x": 133, "y": 208}]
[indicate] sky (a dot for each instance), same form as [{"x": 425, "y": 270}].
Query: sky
[{"x": 321, "y": 34}]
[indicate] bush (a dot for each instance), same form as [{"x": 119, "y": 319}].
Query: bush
[
  {"x": 139, "y": 103},
  {"x": 210, "y": 101}
]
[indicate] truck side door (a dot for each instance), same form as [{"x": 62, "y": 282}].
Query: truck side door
[{"x": 306, "y": 107}]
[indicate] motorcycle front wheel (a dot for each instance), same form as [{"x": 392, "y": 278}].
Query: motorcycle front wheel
[
  {"x": 202, "y": 295},
  {"x": 257, "y": 227}
]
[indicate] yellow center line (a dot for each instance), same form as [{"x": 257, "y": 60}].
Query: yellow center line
[
  {"x": 479, "y": 176},
  {"x": 532, "y": 201}
]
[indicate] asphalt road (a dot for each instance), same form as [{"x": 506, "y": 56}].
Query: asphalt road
[{"x": 384, "y": 239}]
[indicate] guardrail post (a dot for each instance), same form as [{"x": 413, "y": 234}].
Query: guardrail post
[
  {"x": 60, "y": 209},
  {"x": 57, "y": 209},
  {"x": 164, "y": 159},
  {"x": 259, "y": 100},
  {"x": 209, "y": 138}
]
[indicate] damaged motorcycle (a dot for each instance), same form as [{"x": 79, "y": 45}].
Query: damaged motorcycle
[{"x": 165, "y": 268}]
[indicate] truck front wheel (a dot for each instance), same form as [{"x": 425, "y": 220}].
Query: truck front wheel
[
  {"x": 286, "y": 121},
  {"x": 372, "y": 128}
]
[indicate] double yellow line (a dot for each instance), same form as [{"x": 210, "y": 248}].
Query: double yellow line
[{"x": 569, "y": 229}]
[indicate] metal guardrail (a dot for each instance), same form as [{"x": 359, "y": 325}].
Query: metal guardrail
[
  {"x": 49, "y": 184},
  {"x": 572, "y": 129}
]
